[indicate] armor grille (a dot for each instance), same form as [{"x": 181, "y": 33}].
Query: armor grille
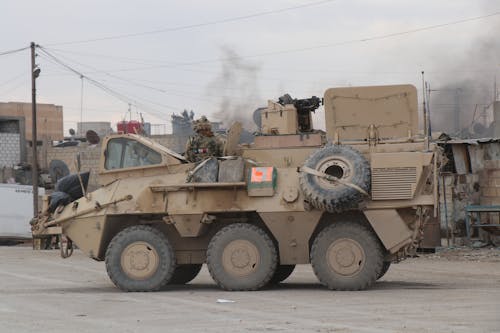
[{"x": 393, "y": 183}]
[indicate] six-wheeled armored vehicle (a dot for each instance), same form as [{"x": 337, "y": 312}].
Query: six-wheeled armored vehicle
[{"x": 349, "y": 200}]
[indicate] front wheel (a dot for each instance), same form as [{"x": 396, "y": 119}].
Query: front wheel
[
  {"x": 241, "y": 257},
  {"x": 347, "y": 256},
  {"x": 140, "y": 258}
]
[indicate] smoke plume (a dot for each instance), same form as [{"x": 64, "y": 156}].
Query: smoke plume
[
  {"x": 237, "y": 87},
  {"x": 460, "y": 100}
]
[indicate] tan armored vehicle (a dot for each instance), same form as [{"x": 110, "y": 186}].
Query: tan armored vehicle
[{"x": 349, "y": 201}]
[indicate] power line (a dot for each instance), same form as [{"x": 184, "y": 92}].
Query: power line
[
  {"x": 196, "y": 25},
  {"x": 315, "y": 47},
  {"x": 352, "y": 41},
  {"x": 15, "y": 78},
  {"x": 153, "y": 62},
  {"x": 50, "y": 57},
  {"x": 13, "y": 51}
]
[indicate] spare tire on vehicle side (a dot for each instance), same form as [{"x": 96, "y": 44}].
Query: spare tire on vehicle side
[{"x": 344, "y": 163}]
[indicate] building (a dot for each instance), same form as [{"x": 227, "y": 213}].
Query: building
[
  {"x": 102, "y": 128},
  {"x": 16, "y": 125}
]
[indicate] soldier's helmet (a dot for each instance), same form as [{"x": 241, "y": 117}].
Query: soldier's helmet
[{"x": 202, "y": 124}]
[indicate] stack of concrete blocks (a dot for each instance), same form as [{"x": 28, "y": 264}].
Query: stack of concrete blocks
[
  {"x": 10, "y": 143},
  {"x": 89, "y": 158},
  {"x": 490, "y": 189},
  {"x": 10, "y": 149}
]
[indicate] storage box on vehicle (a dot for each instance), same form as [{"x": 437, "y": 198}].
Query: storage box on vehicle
[{"x": 279, "y": 119}]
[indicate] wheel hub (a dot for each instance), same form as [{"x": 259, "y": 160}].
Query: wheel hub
[
  {"x": 334, "y": 167},
  {"x": 139, "y": 260},
  {"x": 240, "y": 258},
  {"x": 346, "y": 257}
]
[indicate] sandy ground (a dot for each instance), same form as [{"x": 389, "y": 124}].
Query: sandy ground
[{"x": 451, "y": 291}]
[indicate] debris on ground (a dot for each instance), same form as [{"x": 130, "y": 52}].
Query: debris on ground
[{"x": 462, "y": 253}]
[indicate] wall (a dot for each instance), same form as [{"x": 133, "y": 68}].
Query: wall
[
  {"x": 102, "y": 128},
  {"x": 176, "y": 143},
  {"x": 89, "y": 158},
  {"x": 475, "y": 180},
  {"x": 49, "y": 119}
]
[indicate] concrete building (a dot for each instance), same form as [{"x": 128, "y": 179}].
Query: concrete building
[
  {"x": 102, "y": 128},
  {"x": 15, "y": 129}
]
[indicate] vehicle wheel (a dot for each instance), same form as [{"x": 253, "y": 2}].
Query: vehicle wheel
[
  {"x": 140, "y": 258},
  {"x": 282, "y": 273},
  {"x": 241, "y": 257},
  {"x": 347, "y": 256},
  {"x": 185, "y": 273},
  {"x": 385, "y": 268},
  {"x": 344, "y": 163}
]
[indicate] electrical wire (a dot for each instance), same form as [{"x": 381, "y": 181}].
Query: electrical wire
[
  {"x": 195, "y": 25},
  {"x": 315, "y": 47},
  {"x": 13, "y": 51},
  {"x": 122, "y": 97},
  {"x": 15, "y": 78},
  {"x": 143, "y": 61}
]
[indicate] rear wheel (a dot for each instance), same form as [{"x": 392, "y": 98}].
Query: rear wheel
[
  {"x": 347, "y": 256},
  {"x": 282, "y": 273},
  {"x": 185, "y": 273},
  {"x": 140, "y": 258},
  {"x": 241, "y": 257}
]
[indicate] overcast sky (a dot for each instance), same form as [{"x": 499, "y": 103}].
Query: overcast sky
[{"x": 229, "y": 57}]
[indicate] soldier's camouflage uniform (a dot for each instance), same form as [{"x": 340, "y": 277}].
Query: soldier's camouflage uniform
[{"x": 200, "y": 147}]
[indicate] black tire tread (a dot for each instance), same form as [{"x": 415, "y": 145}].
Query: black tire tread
[
  {"x": 385, "y": 268},
  {"x": 367, "y": 277},
  {"x": 215, "y": 268},
  {"x": 343, "y": 198},
  {"x": 166, "y": 256}
]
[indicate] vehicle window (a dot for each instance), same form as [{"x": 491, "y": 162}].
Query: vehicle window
[
  {"x": 113, "y": 155},
  {"x": 124, "y": 153}
]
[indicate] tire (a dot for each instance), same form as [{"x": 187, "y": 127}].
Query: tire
[
  {"x": 385, "y": 268},
  {"x": 282, "y": 273},
  {"x": 342, "y": 162},
  {"x": 185, "y": 273},
  {"x": 140, "y": 258},
  {"x": 347, "y": 256},
  {"x": 241, "y": 257}
]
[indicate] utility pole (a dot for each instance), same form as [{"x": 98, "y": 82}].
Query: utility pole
[
  {"x": 35, "y": 71},
  {"x": 424, "y": 108},
  {"x": 456, "y": 116}
]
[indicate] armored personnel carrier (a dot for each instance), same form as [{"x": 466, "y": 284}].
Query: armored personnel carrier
[{"x": 349, "y": 200}]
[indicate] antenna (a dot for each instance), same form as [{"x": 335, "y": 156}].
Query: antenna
[{"x": 426, "y": 126}]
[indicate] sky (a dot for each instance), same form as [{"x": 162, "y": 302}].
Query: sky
[{"x": 224, "y": 59}]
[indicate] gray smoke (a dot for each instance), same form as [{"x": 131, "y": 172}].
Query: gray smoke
[
  {"x": 460, "y": 99},
  {"x": 237, "y": 87}
]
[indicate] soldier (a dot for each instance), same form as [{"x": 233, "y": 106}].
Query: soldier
[{"x": 204, "y": 143}]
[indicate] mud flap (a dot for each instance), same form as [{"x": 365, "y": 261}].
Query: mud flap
[{"x": 390, "y": 228}]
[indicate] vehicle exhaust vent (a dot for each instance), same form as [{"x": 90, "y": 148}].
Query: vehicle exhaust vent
[{"x": 393, "y": 183}]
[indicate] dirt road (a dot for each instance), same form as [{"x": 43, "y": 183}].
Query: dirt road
[{"x": 445, "y": 292}]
